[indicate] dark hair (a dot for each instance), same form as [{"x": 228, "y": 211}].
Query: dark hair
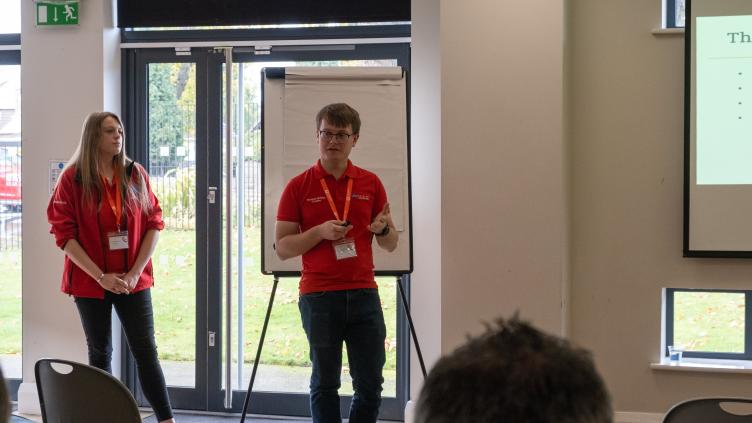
[
  {"x": 514, "y": 373},
  {"x": 340, "y": 115},
  {"x": 4, "y": 400}
]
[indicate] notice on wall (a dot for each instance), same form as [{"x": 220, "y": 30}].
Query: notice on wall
[{"x": 56, "y": 169}]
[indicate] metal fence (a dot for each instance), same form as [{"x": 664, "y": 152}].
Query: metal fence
[
  {"x": 10, "y": 195},
  {"x": 174, "y": 184},
  {"x": 172, "y": 158}
]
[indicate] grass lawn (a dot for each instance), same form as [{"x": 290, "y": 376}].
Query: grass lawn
[
  {"x": 175, "y": 308},
  {"x": 709, "y": 321},
  {"x": 10, "y": 301},
  {"x": 285, "y": 344}
]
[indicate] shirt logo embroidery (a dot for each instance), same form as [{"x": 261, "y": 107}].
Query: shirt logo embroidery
[
  {"x": 365, "y": 197},
  {"x": 314, "y": 200}
]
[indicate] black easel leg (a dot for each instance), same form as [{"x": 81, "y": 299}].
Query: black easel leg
[
  {"x": 412, "y": 326},
  {"x": 258, "y": 350}
]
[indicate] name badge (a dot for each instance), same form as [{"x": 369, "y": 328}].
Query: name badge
[
  {"x": 344, "y": 248},
  {"x": 118, "y": 240}
]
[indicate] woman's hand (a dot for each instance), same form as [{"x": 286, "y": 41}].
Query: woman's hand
[
  {"x": 131, "y": 279},
  {"x": 114, "y": 283}
]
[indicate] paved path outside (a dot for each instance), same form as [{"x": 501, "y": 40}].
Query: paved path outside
[{"x": 268, "y": 378}]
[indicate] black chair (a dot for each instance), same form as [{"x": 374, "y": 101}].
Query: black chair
[
  {"x": 710, "y": 410},
  {"x": 71, "y": 392}
]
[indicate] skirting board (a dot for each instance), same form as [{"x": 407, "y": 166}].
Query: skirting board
[
  {"x": 631, "y": 417},
  {"x": 619, "y": 416},
  {"x": 28, "y": 399}
]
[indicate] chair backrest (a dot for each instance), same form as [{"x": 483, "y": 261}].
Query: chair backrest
[
  {"x": 75, "y": 392},
  {"x": 710, "y": 410}
]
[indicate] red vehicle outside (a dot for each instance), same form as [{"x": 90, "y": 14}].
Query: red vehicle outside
[{"x": 10, "y": 179}]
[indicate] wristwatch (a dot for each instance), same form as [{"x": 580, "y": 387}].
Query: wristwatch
[{"x": 384, "y": 232}]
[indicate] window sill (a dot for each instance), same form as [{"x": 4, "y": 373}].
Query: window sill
[
  {"x": 660, "y": 32},
  {"x": 704, "y": 365}
]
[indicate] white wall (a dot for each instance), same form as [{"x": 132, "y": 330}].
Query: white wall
[
  {"x": 487, "y": 93},
  {"x": 489, "y": 177},
  {"x": 67, "y": 73},
  {"x": 425, "y": 139},
  {"x": 625, "y": 110},
  {"x": 488, "y": 87},
  {"x": 504, "y": 245}
]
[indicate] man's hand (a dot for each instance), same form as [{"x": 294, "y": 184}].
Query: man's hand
[
  {"x": 381, "y": 220},
  {"x": 334, "y": 229}
]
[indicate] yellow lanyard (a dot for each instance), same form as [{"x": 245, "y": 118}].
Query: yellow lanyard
[{"x": 117, "y": 204}]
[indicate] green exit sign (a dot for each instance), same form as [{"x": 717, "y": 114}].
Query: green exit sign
[{"x": 57, "y": 13}]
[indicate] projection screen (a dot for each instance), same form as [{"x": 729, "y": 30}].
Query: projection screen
[{"x": 718, "y": 129}]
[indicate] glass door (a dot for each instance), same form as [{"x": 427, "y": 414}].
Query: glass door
[
  {"x": 178, "y": 130},
  {"x": 166, "y": 131},
  {"x": 284, "y": 365}
]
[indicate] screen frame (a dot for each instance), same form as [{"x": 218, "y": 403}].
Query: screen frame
[{"x": 689, "y": 45}]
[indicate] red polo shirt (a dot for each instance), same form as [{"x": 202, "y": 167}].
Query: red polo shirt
[{"x": 303, "y": 201}]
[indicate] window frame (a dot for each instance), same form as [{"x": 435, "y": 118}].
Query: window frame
[
  {"x": 214, "y": 36},
  {"x": 10, "y": 49},
  {"x": 670, "y": 20},
  {"x": 137, "y": 52},
  {"x": 671, "y": 11},
  {"x": 10, "y": 54},
  {"x": 669, "y": 325}
]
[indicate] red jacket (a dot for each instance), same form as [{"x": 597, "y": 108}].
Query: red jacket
[{"x": 70, "y": 219}]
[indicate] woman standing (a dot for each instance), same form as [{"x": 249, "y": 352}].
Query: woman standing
[{"x": 107, "y": 220}]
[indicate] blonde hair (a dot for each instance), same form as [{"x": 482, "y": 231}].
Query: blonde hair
[{"x": 86, "y": 162}]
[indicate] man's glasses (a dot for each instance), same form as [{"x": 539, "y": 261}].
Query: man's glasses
[{"x": 339, "y": 137}]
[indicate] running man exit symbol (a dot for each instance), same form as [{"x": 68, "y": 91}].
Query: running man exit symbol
[{"x": 57, "y": 13}]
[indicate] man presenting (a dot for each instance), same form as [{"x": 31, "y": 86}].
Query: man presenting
[{"x": 330, "y": 214}]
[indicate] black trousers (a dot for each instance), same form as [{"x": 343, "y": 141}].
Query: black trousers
[
  {"x": 353, "y": 317},
  {"x": 137, "y": 316}
]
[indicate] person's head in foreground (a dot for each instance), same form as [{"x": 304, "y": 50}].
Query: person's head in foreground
[
  {"x": 4, "y": 400},
  {"x": 514, "y": 373}
]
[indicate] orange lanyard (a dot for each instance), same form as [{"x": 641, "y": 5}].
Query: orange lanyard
[
  {"x": 331, "y": 201},
  {"x": 117, "y": 204}
]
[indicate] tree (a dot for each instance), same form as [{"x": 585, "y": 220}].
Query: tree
[{"x": 165, "y": 117}]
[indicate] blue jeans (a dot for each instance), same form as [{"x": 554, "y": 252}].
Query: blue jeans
[
  {"x": 355, "y": 318},
  {"x": 137, "y": 317}
]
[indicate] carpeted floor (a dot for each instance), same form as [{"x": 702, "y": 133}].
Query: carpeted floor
[
  {"x": 185, "y": 418},
  {"x": 203, "y": 418}
]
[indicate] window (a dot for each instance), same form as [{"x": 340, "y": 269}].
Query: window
[
  {"x": 10, "y": 18},
  {"x": 10, "y": 193},
  {"x": 674, "y": 13},
  {"x": 708, "y": 323}
]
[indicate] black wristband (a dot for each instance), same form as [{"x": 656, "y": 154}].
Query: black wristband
[{"x": 384, "y": 232}]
